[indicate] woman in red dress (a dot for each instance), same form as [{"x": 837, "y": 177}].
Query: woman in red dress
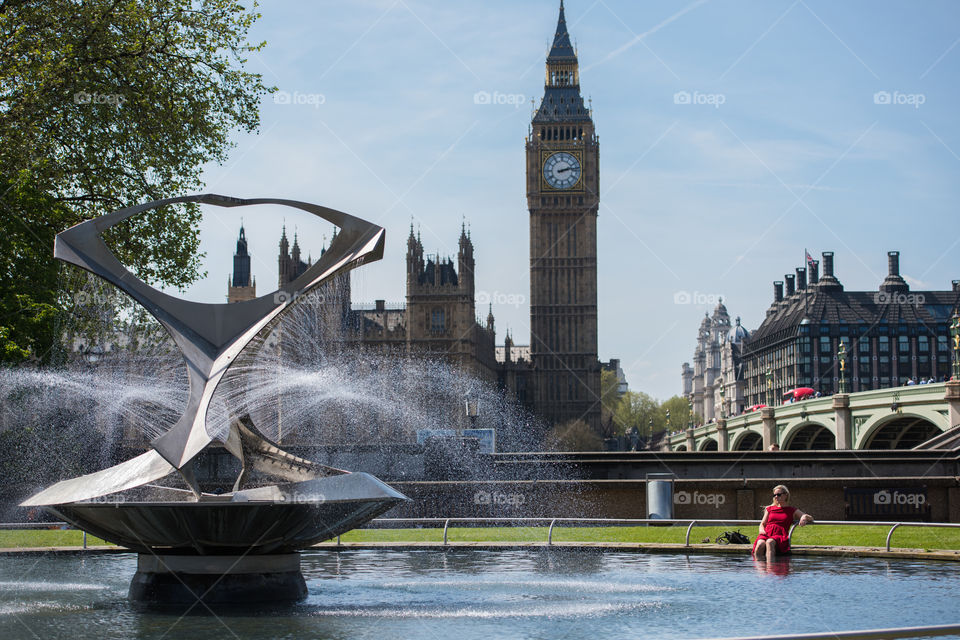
[{"x": 775, "y": 527}]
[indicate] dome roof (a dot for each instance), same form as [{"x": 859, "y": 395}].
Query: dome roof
[{"x": 739, "y": 332}]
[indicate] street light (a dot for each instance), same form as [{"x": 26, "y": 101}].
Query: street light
[
  {"x": 471, "y": 408},
  {"x": 955, "y": 334},
  {"x": 723, "y": 404},
  {"x": 690, "y": 413},
  {"x": 842, "y": 357},
  {"x": 769, "y": 377}
]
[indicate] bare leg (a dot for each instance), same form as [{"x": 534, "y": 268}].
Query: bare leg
[
  {"x": 771, "y": 549},
  {"x": 760, "y": 550}
]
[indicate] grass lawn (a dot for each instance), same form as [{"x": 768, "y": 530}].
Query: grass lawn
[
  {"x": 46, "y": 538},
  {"x": 904, "y": 537}
]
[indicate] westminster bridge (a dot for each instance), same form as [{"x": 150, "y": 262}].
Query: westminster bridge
[{"x": 894, "y": 418}]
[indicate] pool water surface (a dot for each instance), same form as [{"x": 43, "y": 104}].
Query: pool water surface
[{"x": 466, "y": 594}]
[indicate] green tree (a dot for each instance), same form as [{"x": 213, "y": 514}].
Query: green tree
[
  {"x": 609, "y": 400},
  {"x": 105, "y": 104},
  {"x": 637, "y": 409},
  {"x": 679, "y": 413},
  {"x": 575, "y": 435}
]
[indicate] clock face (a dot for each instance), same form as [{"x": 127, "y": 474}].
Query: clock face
[{"x": 561, "y": 170}]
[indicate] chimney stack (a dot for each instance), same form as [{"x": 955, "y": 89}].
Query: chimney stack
[
  {"x": 815, "y": 272},
  {"x": 801, "y": 278},
  {"x": 829, "y": 280},
  {"x": 894, "y": 282},
  {"x": 790, "y": 278},
  {"x": 778, "y": 291},
  {"x": 956, "y": 286},
  {"x": 828, "y": 264}
]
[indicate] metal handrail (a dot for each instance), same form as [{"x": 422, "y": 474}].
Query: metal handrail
[
  {"x": 552, "y": 522},
  {"x": 641, "y": 521},
  {"x": 866, "y": 634}
]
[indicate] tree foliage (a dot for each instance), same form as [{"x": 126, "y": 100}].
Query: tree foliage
[
  {"x": 575, "y": 435},
  {"x": 105, "y": 104}
]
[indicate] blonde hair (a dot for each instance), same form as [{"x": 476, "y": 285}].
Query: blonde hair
[{"x": 780, "y": 488}]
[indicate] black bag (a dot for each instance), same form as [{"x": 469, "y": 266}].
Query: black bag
[{"x": 732, "y": 537}]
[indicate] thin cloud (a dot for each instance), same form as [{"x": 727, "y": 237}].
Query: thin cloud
[{"x": 636, "y": 40}]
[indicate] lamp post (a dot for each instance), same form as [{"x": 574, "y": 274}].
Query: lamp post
[
  {"x": 723, "y": 404},
  {"x": 955, "y": 334},
  {"x": 471, "y": 408},
  {"x": 842, "y": 357},
  {"x": 769, "y": 376},
  {"x": 646, "y": 441},
  {"x": 690, "y": 413}
]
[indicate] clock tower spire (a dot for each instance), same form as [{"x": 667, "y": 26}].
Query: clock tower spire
[{"x": 562, "y": 197}]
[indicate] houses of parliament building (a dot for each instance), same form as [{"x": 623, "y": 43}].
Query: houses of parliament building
[{"x": 557, "y": 375}]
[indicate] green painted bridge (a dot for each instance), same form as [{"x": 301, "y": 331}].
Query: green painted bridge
[{"x": 916, "y": 416}]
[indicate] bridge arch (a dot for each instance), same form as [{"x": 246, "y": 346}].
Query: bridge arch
[
  {"x": 709, "y": 444},
  {"x": 809, "y": 436},
  {"x": 898, "y": 431},
  {"x": 681, "y": 447},
  {"x": 748, "y": 441}
]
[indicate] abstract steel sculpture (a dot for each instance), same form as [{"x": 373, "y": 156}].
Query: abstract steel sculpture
[{"x": 244, "y": 541}]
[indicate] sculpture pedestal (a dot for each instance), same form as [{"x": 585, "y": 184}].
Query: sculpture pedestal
[{"x": 222, "y": 580}]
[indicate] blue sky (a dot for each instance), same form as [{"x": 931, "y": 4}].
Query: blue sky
[{"x": 732, "y": 136}]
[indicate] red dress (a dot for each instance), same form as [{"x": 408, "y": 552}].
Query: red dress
[{"x": 779, "y": 520}]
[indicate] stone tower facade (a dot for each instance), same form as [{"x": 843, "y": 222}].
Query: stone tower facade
[
  {"x": 441, "y": 313},
  {"x": 563, "y": 174},
  {"x": 241, "y": 285}
]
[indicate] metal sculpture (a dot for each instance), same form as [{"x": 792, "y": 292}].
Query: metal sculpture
[{"x": 120, "y": 504}]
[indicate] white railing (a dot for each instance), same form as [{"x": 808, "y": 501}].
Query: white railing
[{"x": 552, "y": 522}]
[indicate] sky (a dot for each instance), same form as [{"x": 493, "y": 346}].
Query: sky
[{"x": 733, "y": 136}]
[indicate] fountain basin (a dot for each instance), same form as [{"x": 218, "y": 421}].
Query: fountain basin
[{"x": 265, "y": 520}]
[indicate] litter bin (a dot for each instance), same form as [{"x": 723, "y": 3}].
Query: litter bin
[{"x": 660, "y": 495}]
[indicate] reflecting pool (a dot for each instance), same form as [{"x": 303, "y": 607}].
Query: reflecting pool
[{"x": 465, "y": 594}]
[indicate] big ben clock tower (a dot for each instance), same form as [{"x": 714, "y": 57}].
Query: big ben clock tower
[{"x": 562, "y": 194}]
